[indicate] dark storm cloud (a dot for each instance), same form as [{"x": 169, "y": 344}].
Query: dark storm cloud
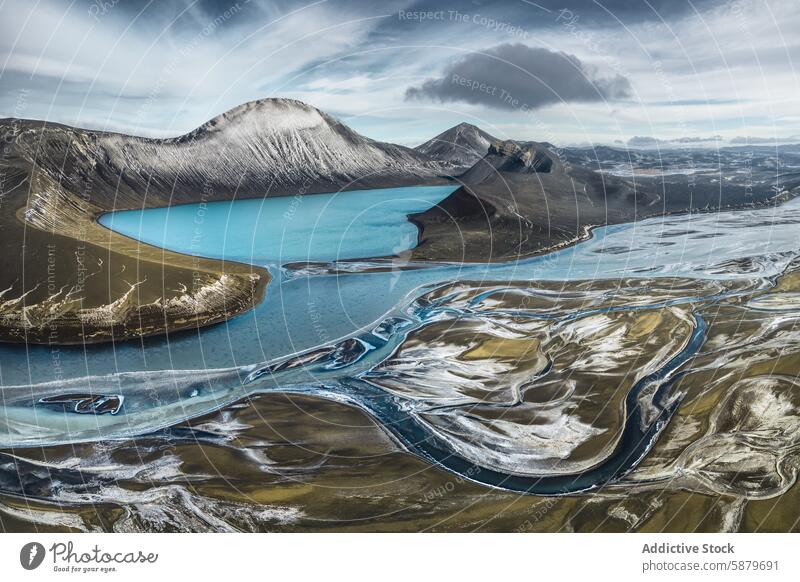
[{"x": 516, "y": 76}]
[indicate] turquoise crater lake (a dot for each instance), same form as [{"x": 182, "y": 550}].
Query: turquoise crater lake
[{"x": 319, "y": 227}]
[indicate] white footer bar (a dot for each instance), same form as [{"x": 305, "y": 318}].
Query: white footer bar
[{"x": 388, "y": 557}]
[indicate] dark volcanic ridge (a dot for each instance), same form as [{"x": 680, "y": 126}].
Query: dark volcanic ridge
[{"x": 526, "y": 198}]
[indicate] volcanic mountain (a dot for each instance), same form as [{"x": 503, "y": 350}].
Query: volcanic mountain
[
  {"x": 461, "y": 146},
  {"x": 266, "y": 147}
]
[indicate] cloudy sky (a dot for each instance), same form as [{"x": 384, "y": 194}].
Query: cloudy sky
[{"x": 564, "y": 71}]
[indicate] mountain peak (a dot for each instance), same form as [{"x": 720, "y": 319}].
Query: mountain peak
[
  {"x": 462, "y": 145},
  {"x": 464, "y": 125},
  {"x": 267, "y": 116}
]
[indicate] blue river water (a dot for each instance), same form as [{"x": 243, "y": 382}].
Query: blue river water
[{"x": 166, "y": 380}]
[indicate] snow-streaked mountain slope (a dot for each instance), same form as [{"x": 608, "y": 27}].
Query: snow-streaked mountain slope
[{"x": 266, "y": 147}]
